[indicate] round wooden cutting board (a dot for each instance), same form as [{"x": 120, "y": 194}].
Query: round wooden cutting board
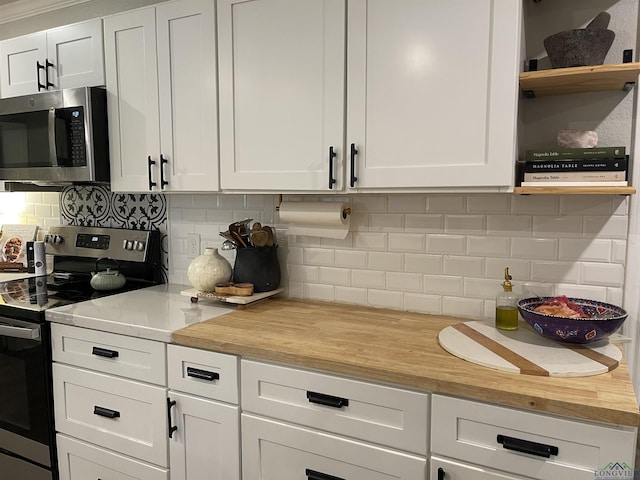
[{"x": 524, "y": 351}]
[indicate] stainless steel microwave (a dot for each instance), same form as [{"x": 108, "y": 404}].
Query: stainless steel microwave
[{"x": 57, "y": 137}]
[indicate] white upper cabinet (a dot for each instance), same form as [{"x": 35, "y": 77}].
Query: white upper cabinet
[
  {"x": 65, "y": 57},
  {"x": 161, "y": 85},
  {"x": 432, "y": 89},
  {"x": 431, "y": 94},
  {"x": 281, "y": 93}
]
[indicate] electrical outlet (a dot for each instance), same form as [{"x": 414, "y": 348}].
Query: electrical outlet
[{"x": 193, "y": 245}]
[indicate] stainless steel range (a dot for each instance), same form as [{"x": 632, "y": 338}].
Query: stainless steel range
[{"x": 27, "y": 433}]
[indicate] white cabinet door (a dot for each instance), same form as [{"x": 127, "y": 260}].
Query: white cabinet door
[
  {"x": 432, "y": 92},
  {"x": 77, "y": 55},
  {"x": 206, "y": 442},
  {"x": 275, "y": 450},
  {"x": 19, "y": 73},
  {"x": 132, "y": 99},
  {"x": 187, "y": 84},
  {"x": 281, "y": 93},
  {"x": 65, "y": 57}
]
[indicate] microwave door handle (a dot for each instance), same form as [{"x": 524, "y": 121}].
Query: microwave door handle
[
  {"x": 53, "y": 157},
  {"x": 20, "y": 332}
]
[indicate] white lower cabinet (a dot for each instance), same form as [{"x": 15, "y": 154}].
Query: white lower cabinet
[
  {"x": 81, "y": 461},
  {"x": 446, "y": 469},
  {"x": 276, "y": 450},
  {"x": 204, "y": 434}
]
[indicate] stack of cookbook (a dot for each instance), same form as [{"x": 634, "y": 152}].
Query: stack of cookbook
[{"x": 579, "y": 167}]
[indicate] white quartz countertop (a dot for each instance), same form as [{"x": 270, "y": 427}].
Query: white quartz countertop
[{"x": 153, "y": 313}]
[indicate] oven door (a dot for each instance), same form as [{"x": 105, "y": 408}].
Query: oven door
[{"x": 26, "y": 425}]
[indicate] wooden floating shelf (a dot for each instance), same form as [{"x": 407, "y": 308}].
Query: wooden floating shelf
[
  {"x": 574, "y": 190},
  {"x": 594, "y": 78}
]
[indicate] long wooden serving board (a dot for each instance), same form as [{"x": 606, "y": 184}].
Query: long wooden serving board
[{"x": 525, "y": 352}]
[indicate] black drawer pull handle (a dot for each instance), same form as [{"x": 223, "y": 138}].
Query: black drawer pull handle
[
  {"x": 105, "y": 412},
  {"x": 313, "y": 475},
  {"x": 354, "y": 152},
  {"x": 149, "y": 164},
  {"x": 202, "y": 374},
  {"x": 172, "y": 428},
  {"x": 103, "y": 352},
  {"x": 525, "y": 446},
  {"x": 332, "y": 156},
  {"x": 440, "y": 473},
  {"x": 328, "y": 400}
]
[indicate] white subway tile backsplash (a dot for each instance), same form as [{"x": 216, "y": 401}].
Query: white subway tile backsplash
[
  {"x": 509, "y": 225},
  {"x": 370, "y": 241},
  {"x": 488, "y": 246},
  {"x": 424, "y": 223},
  {"x": 463, "y": 266},
  {"x": 558, "y": 272},
  {"x": 318, "y": 256},
  {"x": 459, "y": 224},
  {"x": 542, "y": 248},
  {"x": 357, "y": 296},
  {"x": 602, "y": 226},
  {"x": 444, "y": 203},
  {"x": 489, "y": 203},
  {"x": 463, "y": 307},
  {"x": 387, "y": 261},
  {"x": 435, "y": 253},
  {"x": 585, "y": 249},
  {"x": 441, "y": 284},
  {"x": 406, "y": 242},
  {"x": 608, "y": 274},
  {"x": 350, "y": 259},
  {"x": 446, "y": 244},
  {"x": 334, "y": 276},
  {"x": 423, "y": 263},
  {"x": 367, "y": 279},
  {"x": 385, "y": 299},
  {"x": 385, "y": 222},
  {"x": 615, "y": 296},
  {"x": 407, "y": 203},
  {"x": 430, "y": 304},
  {"x": 404, "y": 282}
]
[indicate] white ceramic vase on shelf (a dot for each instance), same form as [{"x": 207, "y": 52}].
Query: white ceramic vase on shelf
[{"x": 208, "y": 269}]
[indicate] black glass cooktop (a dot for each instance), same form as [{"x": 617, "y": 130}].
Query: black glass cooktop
[{"x": 28, "y": 298}]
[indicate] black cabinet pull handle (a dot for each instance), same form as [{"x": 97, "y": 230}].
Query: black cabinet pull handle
[
  {"x": 332, "y": 155},
  {"x": 202, "y": 374},
  {"x": 47, "y": 64},
  {"x": 163, "y": 182},
  {"x": 150, "y": 163},
  {"x": 172, "y": 428},
  {"x": 103, "y": 352},
  {"x": 440, "y": 473},
  {"x": 105, "y": 412},
  {"x": 328, "y": 400},
  {"x": 525, "y": 446},
  {"x": 354, "y": 152},
  {"x": 313, "y": 475},
  {"x": 38, "y": 68}
]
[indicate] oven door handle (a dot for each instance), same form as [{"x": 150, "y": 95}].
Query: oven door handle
[{"x": 20, "y": 332}]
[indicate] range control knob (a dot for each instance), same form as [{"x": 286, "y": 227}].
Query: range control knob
[
  {"x": 53, "y": 239},
  {"x": 138, "y": 245},
  {"x": 128, "y": 245}
]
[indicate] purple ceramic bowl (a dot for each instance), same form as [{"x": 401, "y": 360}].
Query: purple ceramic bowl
[{"x": 604, "y": 319}]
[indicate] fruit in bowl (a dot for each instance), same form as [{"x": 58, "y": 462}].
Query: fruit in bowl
[{"x": 571, "y": 320}]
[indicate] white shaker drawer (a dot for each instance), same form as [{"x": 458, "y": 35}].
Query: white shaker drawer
[
  {"x": 81, "y": 461},
  {"x": 530, "y": 444},
  {"x": 446, "y": 469},
  {"x": 129, "y": 357},
  {"x": 275, "y": 450},
  {"x": 375, "y": 413},
  {"x": 123, "y": 415},
  {"x": 204, "y": 373}
]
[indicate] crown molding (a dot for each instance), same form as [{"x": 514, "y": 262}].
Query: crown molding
[{"x": 21, "y": 9}]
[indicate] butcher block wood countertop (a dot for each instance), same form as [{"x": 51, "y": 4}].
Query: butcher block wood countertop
[{"x": 402, "y": 348}]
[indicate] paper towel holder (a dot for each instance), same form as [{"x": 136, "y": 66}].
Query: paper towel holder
[{"x": 345, "y": 212}]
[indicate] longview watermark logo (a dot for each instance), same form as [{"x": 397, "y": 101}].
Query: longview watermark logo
[{"x": 617, "y": 470}]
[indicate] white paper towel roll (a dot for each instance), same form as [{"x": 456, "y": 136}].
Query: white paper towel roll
[{"x": 316, "y": 219}]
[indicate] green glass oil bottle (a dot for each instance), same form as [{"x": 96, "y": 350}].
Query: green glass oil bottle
[{"x": 506, "y": 305}]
